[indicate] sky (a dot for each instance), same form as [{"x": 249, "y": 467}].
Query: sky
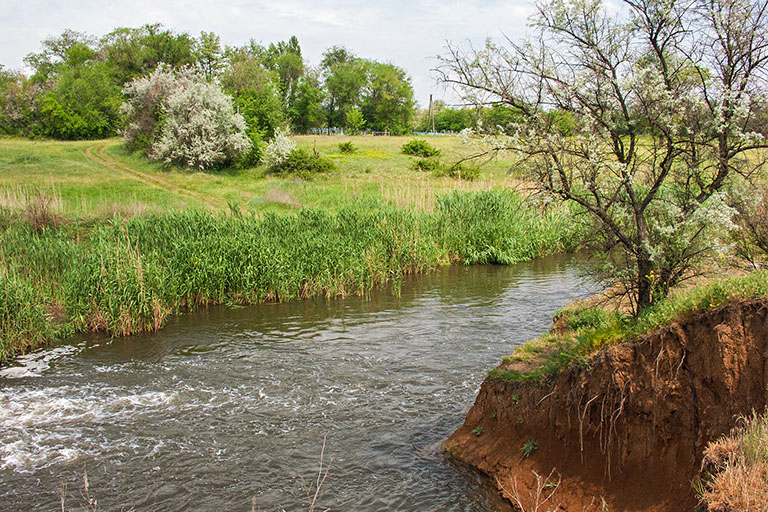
[{"x": 408, "y": 34}]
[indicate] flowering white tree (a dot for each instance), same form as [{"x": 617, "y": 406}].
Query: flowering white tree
[
  {"x": 181, "y": 118},
  {"x": 145, "y": 98},
  {"x": 664, "y": 94},
  {"x": 279, "y": 149}
]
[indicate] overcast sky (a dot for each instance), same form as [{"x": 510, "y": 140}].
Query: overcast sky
[{"x": 406, "y": 33}]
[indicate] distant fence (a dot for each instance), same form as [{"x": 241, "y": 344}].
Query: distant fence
[{"x": 340, "y": 131}]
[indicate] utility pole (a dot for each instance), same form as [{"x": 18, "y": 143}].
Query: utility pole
[{"x": 431, "y": 114}]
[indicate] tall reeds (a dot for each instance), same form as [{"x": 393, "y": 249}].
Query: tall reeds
[{"x": 129, "y": 274}]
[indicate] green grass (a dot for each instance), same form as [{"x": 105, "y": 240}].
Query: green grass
[
  {"x": 585, "y": 331},
  {"x": 86, "y": 189},
  {"x": 127, "y": 274},
  {"x": 81, "y": 186}
]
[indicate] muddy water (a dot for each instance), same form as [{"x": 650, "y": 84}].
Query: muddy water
[{"x": 227, "y": 409}]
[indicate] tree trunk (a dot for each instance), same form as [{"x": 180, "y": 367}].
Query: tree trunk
[{"x": 644, "y": 269}]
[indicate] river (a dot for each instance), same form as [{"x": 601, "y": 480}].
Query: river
[{"x": 229, "y": 408}]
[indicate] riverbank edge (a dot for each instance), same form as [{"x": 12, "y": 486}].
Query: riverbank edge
[
  {"x": 627, "y": 428},
  {"x": 130, "y": 275}
]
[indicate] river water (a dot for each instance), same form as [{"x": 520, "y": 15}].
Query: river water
[{"x": 229, "y": 409}]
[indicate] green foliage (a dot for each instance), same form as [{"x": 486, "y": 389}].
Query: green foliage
[
  {"x": 128, "y": 275},
  {"x": 430, "y": 164},
  {"x": 208, "y": 54},
  {"x": 136, "y": 52},
  {"x": 500, "y": 118},
  {"x": 307, "y": 108},
  {"x": 303, "y": 164},
  {"x": 498, "y": 227},
  {"x": 417, "y": 147},
  {"x": 84, "y": 103},
  {"x": 285, "y": 60},
  {"x": 17, "y": 98},
  {"x": 347, "y": 148},
  {"x": 582, "y": 317},
  {"x": 457, "y": 171},
  {"x": 440, "y": 169},
  {"x": 452, "y": 119},
  {"x": 354, "y": 120},
  {"x": 388, "y": 100},
  {"x": 588, "y": 330},
  {"x": 562, "y": 122},
  {"x": 345, "y": 77},
  {"x": 23, "y": 322},
  {"x": 529, "y": 447}
]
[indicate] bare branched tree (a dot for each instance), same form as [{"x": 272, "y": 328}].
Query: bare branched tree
[{"x": 664, "y": 94}]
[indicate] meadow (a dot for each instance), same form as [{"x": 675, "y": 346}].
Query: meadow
[
  {"x": 94, "y": 238},
  {"x": 86, "y": 187}
]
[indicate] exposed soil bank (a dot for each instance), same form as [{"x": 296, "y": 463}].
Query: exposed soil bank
[{"x": 630, "y": 426}]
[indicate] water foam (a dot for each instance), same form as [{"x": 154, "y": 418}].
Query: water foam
[{"x": 42, "y": 427}]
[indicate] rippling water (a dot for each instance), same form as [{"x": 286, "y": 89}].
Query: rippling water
[{"x": 228, "y": 408}]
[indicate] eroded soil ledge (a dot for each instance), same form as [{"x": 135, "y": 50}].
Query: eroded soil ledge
[{"x": 630, "y": 426}]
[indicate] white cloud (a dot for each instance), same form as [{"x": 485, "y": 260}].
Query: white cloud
[{"x": 406, "y": 33}]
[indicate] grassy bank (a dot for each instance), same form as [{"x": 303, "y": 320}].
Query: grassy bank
[
  {"x": 85, "y": 186},
  {"x": 128, "y": 274},
  {"x": 579, "y": 332}
]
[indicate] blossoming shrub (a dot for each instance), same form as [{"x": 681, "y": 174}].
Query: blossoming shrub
[
  {"x": 201, "y": 129},
  {"x": 143, "y": 106},
  {"x": 179, "y": 118},
  {"x": 278, "y": 149}
]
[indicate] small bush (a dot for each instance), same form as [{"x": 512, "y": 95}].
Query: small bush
[
  {"x": 40, "y": 212},
  {"x": 738, "y": 465},
  {"x": 458, "y": 172},
  {"x": 347, "y": 148},
  {"x": 303, "y": 164},
  {"x": 578, "y": 318},
  {"x": 278, "y": 150},
  {"x": 431, "y": 164},
  {"x": 421, "y": 148},
  {"x": 439, "y": 169}
]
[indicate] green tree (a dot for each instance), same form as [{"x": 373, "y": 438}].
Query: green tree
[
  {"x": 501, "y": 118},
  {"x": 453, "y": 119},
  {"x": 255, "y": 96},
  {"x": 388, "y": 100},
  {"x": 345, "y": 77},
  {"x": 307, "y": 109},
  {"x": 17, "y": 97},
  {"x": 135, "y": 52},
  {"x": 208, "y": 53},
  {"x": 661, "y": 99},
  {"x": 355, "y": 120},
  {"x": 65, "y": 50},
  {"x": 83, "y": 103},
  {"x": 78, "y": 97}
]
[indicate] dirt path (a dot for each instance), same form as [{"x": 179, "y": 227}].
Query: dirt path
[{"x": 96, "y": 154}]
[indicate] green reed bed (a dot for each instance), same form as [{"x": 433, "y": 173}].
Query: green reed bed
[{"x": 129, "y": 274}]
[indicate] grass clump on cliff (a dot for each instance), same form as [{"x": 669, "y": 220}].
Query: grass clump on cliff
[
  {"x": 737, "y": 468},
  {"x": 127, "y": 275},
  {"x": 581, "y": 331}
]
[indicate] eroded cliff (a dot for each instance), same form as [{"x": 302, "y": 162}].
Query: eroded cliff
[{"x": 627, "y": 427}]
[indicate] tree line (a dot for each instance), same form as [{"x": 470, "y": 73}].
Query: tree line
[{"x": 76, "y": 87}]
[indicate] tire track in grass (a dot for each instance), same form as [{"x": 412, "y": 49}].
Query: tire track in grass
[{"x": 96, "y": 154}]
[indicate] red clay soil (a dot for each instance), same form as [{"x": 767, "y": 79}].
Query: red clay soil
[{"x": 631, "y": 426}]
